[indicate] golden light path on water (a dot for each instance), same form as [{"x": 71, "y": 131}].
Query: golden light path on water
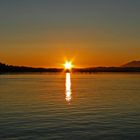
[{"x": 68, "y": 87}]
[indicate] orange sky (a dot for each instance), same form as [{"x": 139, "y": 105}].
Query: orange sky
[
  {"x": 83, "y": 51},
  {"x": 91, "y": 33}
]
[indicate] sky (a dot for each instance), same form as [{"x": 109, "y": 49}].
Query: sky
[{"x": 45, "y": 33}]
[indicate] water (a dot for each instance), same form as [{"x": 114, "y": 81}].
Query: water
[{"x": 70, "y": 107}]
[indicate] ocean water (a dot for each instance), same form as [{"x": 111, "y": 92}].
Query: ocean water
[{"x": 70, "y": 106}]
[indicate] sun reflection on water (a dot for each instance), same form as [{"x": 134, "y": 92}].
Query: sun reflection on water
[{"x": 68, "y": 87}]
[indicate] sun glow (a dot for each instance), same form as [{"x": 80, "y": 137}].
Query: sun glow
[{"x": 68, "y": 65}]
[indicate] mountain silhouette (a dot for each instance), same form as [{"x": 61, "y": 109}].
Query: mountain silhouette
[{"x": 132, "y": 64}]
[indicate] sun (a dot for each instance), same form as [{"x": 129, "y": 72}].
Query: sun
[{"x": 68, "y": 65}]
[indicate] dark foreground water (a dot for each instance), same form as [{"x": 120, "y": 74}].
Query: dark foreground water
[{"x": 70, "y": 107}]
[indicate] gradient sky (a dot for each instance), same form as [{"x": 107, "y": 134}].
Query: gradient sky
[{"x": 43, "y": 33}]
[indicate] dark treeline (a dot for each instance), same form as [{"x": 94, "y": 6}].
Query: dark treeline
[
  {"x": 108, "y": 69},
  {"x": 22, "y": 69}
]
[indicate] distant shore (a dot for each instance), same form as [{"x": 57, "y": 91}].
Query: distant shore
[{"x": 23, "y": 69}]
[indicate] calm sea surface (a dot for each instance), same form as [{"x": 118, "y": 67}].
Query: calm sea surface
[{"x": 70, "y": 107}]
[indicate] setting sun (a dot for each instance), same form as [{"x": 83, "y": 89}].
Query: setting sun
[{"x": 68, "y": 65}]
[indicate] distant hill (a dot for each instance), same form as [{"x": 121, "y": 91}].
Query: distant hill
[{"x": 132, "y": 64}]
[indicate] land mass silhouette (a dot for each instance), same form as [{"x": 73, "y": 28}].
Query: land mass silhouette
[{"x": 133, "y": 66}]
